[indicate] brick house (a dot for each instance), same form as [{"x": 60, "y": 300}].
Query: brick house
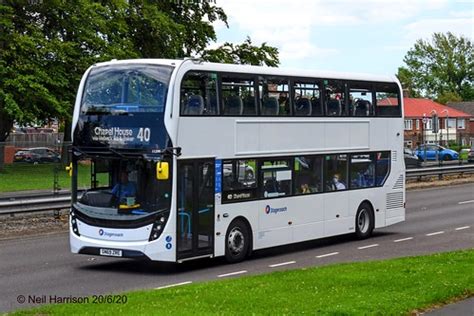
[
  {"x": 466, "y": 107},
  {"x": 454, "y": 125}
]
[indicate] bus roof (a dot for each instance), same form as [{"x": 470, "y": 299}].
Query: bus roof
[{"x": 263, "y": 70}]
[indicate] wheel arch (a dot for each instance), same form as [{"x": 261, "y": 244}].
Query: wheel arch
[
  {"x": 249, "y": 226},
  {"x": 362, "y": 233},
  {"x": 372, "y": 208},
  {"x": 368, "y": 202}
]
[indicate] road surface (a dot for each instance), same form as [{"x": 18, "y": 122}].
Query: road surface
[{"x": 438, "y": 219}]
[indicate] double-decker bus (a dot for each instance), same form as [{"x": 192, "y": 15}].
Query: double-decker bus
[{"x": 174, "y": 160}]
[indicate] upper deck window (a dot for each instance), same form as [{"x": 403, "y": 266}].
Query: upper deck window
[
  {"x": 360, "y": 99},
  {"x": 238, "y": 95},
  {"x": 199, "y": 94},
  {"x": 387, "y": 100},
  {"x": 307, "y": 100},
  {"x": 274, "y": 96},
  {"x": 214, "y": 93},
  {"x": 335, "y": 97},
  {"x": 126, "y": 88}
]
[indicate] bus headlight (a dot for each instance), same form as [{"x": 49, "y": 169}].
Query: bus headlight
[
  {"x": 157, "y": 228},
  {"x": 74, "y": 224}
]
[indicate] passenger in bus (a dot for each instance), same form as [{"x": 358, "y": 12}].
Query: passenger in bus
[
  {"x": 336, "y": 183},
  {"x": 283, "y": 103},
  {"x": 304, "y": 181},
  {"x": 305, "y": 188},
  {"x": 124, "y": 188}
]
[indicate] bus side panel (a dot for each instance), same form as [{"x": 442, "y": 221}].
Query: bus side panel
[
  {"x": 376, "y": 197},
  {"x": 225, "y": 214},
  {"x": 395, "y": 186},
  {"x": 336, "y": 210},
  {"x": 308, "y": 217},
  {"x": 264, "y": 136},
  {"x": 274, "y": 222}
]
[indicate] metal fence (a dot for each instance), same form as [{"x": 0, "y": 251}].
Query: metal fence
[
  {"x": 29, "y": 140},
  {"x": 45, "y": 201}
]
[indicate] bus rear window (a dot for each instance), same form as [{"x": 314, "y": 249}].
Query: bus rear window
[{"x": 388, "y": 100}]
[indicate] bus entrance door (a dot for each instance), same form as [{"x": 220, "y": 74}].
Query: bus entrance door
[{"x": 195, "y": 226}]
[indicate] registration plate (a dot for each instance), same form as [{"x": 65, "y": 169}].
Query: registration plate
[{"x": 111, "y": 252}]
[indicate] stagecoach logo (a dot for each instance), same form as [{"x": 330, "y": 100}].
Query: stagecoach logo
[
  {"x": 109, "y": 234},
  {"x": 275, "y": 210}
]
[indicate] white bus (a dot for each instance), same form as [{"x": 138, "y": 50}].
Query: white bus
[{"x": 176, "y": 160}]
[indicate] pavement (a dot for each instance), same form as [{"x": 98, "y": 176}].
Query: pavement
[{"x": 438, "y": 220}]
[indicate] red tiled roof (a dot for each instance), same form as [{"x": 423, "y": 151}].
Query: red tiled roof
[{"x": 415, "y": 107}]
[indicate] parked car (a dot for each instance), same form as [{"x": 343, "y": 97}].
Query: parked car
[
  {"x": 411, "y": 160},
  {"x": 470, "y": 155},
  {"x": 435, "y": 150},
  {"x": 37, "y": 155},
  {"x": 25, "y": 155}
]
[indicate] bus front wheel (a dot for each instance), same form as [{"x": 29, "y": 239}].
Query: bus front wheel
[
  {"x": 365, "y": 221},
  {"x": 237, "y": 241}
]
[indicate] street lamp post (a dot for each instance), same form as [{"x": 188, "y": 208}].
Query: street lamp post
[
  {"x": 447, "y": 126},
  {"x": 425, "y": 120},
  {"x": 435, "y": 130}
]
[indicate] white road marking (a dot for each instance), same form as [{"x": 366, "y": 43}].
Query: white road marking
[
  {"x": 368, "y": 246},
  {"x": 231, "y": 273},
  {"x": 328, "y": 255},
  {"x": 461, "y": 228},
  {"x": 403, "y": 239},
  {"x": 281, "y": 264},
  {"x": 435, "y": 233},
  {"x": 173, "y": 285},
  {"x": 466, "y": 202}
]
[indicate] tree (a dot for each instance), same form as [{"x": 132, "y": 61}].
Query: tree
[
  {"x": 404, "y": 76},
  {"x": 45, "y": 49},
  {"x": 47, "y": 45},
  {"x": 448, "y": 96},
  {"x": 244, "y": 53},
  {"x": 440, "y": 67}
]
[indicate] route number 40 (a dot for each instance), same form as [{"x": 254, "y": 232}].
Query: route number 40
[{"x": 144, "y": 134}]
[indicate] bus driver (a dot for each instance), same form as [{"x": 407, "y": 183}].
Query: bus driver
[{"x": 124, "y": 189}]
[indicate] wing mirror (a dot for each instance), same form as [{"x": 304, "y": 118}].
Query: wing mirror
[
  {"x": 69, "y": 169},
  {"x": 162, "y": 170}
]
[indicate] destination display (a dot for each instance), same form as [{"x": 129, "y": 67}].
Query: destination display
[
  {"x": 141, "y": 131},
  {"x": 122, "y": 136}
]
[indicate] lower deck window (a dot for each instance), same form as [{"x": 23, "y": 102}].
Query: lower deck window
[
  {"x": 382, "y": 168},
  {"x": 308, "y": 174},
  {"x": 239, "y": 181},
  {"x": 251, "y": 179},
  {"x": 276, "y": 178},
  {"x": 362, "y": 171},
  {"x": 335, "y": 172}
]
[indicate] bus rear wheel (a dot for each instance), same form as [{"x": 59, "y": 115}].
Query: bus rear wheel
[
  {"x": 237, "y": 241},
  {"x": 364, "y": 221}
]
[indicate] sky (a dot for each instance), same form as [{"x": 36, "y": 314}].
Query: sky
[{"x": 365, "y": 36}]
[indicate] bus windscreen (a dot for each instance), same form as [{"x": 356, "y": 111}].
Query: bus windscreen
[{"x": 126, "y": 89}]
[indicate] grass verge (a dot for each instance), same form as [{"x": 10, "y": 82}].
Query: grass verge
[
  {"x": 388, "y": 287},
  {"x": 22, "y": 176}
]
